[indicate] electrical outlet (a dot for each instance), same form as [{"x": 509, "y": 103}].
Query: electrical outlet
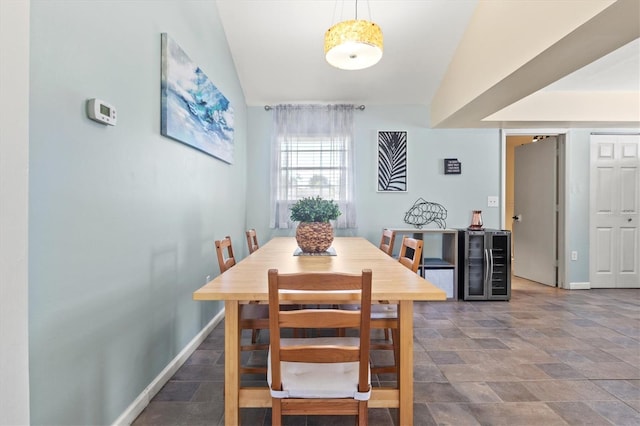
[
  {"x": 207, "y": 279},
  {"x": 492, "y": 201},
  {"x": 574, "y": 255}
]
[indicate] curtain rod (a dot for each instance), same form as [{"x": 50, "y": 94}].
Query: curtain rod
[{"x": 359, "y": 107}]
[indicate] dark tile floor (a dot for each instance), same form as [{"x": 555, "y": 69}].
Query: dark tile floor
[{"x": 547, "y": 357}]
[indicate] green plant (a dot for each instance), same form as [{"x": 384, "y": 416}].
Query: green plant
[{"x": 314, "y": 209}]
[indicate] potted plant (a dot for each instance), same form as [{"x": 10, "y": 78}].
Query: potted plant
[{"x": 314, "y": 233}]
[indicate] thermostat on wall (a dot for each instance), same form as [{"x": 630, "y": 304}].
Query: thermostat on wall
[{"x": 101, "y": 112}]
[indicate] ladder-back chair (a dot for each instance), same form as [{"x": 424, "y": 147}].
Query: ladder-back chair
[
  {"x": 385, "y": 315},
  {"x": 387, "y": 240},
  {"x": 318, "y": 375},
  {"x": 253, "y": 316},
  {"x": 252, "y": 240}
]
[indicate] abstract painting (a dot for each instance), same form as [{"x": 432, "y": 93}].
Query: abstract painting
[
  {"x": 194, "y": 111},
  {"x": 392, "y": 161}
]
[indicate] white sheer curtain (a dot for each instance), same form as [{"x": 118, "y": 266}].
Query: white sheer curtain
[{"x": 312, "y": 154}]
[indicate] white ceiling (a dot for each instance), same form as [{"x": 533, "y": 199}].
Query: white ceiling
[
  {"x": 277, "y": 47},
  {"x": 619, "y": 70}
]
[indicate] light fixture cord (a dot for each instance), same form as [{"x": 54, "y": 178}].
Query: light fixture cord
[
  {"x": 333, "y": 17},
  {"x": 335, "y": 9},
  {"x": 368, "y": 9}
]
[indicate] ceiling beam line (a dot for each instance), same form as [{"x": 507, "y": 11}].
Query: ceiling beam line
[{"x": 606, "y": 31}]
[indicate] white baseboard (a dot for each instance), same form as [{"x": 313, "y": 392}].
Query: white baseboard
[
  {"x": 580, "y": 286},
  {"x": 136, "y": 407}
]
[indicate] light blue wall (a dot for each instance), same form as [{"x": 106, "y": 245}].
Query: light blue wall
[
  {"x": 577, "y": 212},
  {"x": 477, "y": 149},
  {"x": 122, "y": 220}
]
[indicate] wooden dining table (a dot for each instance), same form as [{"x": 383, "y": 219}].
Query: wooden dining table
[{"x": 247, "y": 281}]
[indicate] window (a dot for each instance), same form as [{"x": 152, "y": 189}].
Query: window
[
  {"x": 312, "y": 155},
  {"x": 312, "y": 166}
]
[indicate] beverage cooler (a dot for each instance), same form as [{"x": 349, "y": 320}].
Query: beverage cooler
[{"x": 484, "y": 271}]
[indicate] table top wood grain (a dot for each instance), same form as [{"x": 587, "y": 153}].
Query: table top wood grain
[{"x": 247, "y": 280}]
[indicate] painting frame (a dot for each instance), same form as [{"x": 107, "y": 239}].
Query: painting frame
[
  {"x": 392, "y": 170},
  {"x": 193, "y": 110}
]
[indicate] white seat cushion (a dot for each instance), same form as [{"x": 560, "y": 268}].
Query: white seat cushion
[{"x": 319, "y": 380}]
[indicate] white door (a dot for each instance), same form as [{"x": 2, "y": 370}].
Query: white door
[
  {"x": 614, "y": 240},
  {"x": 534, "y": 234}
]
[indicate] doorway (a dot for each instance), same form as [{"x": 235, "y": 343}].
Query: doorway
[{"x": 538, "y": 232}]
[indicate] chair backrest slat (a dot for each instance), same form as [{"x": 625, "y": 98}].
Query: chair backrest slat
[
  {"x": 308, "y": 318},
  {"x": 323, "y": 354},
  {"x": 318, "y": 282}
]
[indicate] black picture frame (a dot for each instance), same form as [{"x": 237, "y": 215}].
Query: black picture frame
[{"x": 392, "y": 161}]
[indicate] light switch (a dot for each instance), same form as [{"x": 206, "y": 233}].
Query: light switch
[{"x": 492, "y": 201}]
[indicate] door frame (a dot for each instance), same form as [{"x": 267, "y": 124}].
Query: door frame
[{"x": 561, "y": 184}]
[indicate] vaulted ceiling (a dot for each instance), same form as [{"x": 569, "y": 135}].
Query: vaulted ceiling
[{"x": 473, "y": 63}]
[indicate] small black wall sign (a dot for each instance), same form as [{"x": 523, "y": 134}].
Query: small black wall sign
[{"x": 452, "y": 166}]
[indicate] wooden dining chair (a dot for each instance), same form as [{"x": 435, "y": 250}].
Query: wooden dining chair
[
  {"x": 387, "y": 240},
  {"x": 385, "y": 314},
  {"x": 224, "y": 250},
  {"x": 411, "y": 253},
  {"x": 253, "y": 316},
  {"x": 318, "y": 375},
  {"x": 386, "y": 245},
  {"x": 252, "y": 240}
]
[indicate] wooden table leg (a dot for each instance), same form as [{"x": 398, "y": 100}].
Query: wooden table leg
[
  {"x": 231, "y": 363},
  {"x": 405, "y": 373}
]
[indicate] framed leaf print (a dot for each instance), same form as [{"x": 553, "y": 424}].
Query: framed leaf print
[{"x": 392, "y": 161}]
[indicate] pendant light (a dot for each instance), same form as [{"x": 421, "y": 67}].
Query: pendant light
[{"x": 354, "y": 44}]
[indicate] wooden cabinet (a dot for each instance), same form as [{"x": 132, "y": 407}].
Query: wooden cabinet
[{"x": 439, "y": 263}]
